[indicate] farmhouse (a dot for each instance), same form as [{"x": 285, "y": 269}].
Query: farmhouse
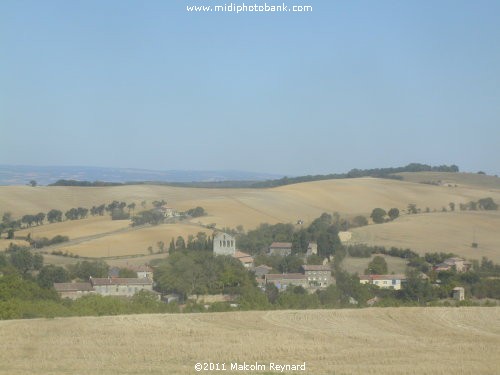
[
  {"x": 459, "y": 264},
  {"x": 318, "y": 275},
  {"x": 261, "y": 271},
  {"x": 282, "y": 281},
  {"x": 73, "y": 290},
  {"x": 117, "y": 286},
  {"x": 383, "y": 281},
  {"x": 168, "y": 211},
  {"x": 224, "y": 244},
  {"x": 280, "y": 248},
  {"x": 143, "y": 271}
]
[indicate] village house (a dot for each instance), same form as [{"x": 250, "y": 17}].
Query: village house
[
  {"x": 73, "y": 290},
  {"x": 318, "y": 275},
  {"x": 284, "y": 280},
  {"x": 224, "y": 244},
  {"x": 143, "y": 271},
  {"x": 383, "y": 281},
  {"x": 280, "y": 248},
  {"x": 244, "y": 258},
  {"x": 261, "y": 271},
  {"x": 119, "y": 286},
  {"x": 459, "y": 264},
  {"x": 168, "y": 212}
]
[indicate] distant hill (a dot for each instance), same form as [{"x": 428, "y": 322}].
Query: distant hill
[
  {"x": 45, "y": 175},
  {"x": 356, "y": 173}
]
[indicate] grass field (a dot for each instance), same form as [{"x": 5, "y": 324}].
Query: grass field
[
  {"x": 442, "y": 231},
  {"x": 368, "y": 341}
]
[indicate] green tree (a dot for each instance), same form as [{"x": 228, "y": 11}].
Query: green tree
[
  {"x": 51, "y": 274},
  {"x": 452, "y": 206},
  {"x": 378, "y": 266},
  {"x": 33, "y": 183},
  {"x": 487, "y": 204},
  {"x": 83, "y": 270},
  {"x": 180, "y": 243},
  {"x": 393, "y": 213},
  {"x": 360, "y": 221},
  {"x": 378, "y": 215},
  {"x": 412, "y": 208},
  {"x": 26, "y": 261},
  {"x": 127, "y": 273},
  {"x": 54, "y": 215}
]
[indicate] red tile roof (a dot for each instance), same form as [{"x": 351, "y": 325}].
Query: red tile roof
[
  {"x": 120, "y": 281},
  {"x": 73, "y": 287}
]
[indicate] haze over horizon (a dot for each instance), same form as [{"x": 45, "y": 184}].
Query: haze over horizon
[{"x": 151, "y": 86}]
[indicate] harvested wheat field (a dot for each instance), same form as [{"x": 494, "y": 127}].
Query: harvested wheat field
[
  {"x": 441, "y": 231},
  {"x": 131, "y": 241},
  {"x": 77, "y": 228},
  {"x": 249, "y": 207},
  {"x": 451, "y": 232},
  {"x": 367, "y": 341}
]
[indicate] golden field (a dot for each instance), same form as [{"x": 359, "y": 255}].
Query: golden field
[
  {"x": 441, "y": 231},
  {"x": 451, "y": 232},
  {"x": 368, "y": 341},
  {"x": 133, "y": 241}
]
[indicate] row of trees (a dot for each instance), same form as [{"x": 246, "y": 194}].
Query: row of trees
[{"x": 379, "y": 215}]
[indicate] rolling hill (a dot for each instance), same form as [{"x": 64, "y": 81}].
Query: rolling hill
[{"x": 249, "y": 207}]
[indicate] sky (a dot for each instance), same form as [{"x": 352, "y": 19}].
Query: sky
[{"x": 352, "y": 84}]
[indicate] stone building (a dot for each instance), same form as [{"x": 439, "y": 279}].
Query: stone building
[{"x": 224, "y": 244}]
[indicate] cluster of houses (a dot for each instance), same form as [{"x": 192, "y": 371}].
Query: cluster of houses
[{"x": 312, "y": 277}]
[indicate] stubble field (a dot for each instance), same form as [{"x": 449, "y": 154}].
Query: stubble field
[
  {"x": 367, "y": 341},
  {"x": 435, "y": 231}
]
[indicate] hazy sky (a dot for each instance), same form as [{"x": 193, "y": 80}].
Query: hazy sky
[{"x": 354, "y": 84}]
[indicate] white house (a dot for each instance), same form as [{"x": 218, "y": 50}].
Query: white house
[{"x": 383, "y": 281}]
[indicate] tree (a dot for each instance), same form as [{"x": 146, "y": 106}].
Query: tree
[
  {"x": 487, "y": 204},
  {"x": 196, "y": 212},
  {"x": 393, "y": 213},
  {"x": 25, "y": 261},
  {"x": 378, "y": 215},
  {"x": 51, "y": 274},
  {"x": 161, "y": 246},
  {"x": 360, "y": 221},
  {"x": 127, "y": 273},
  {"x": 180, "y": 244},
  {"x": 10, "y": 234},
  {"x": 33, "y": 183},
  {"x": 83, "y": 270},
  {"x": 54, "y": 215},
  {"x": 39, "y": 217},
  {"x": 452, "y": 206},
  {"x": 119, "y": 214},
  {"x": 412, "y": 208},
  {"x": 378, "y": 266},
  {"x": 131, "y": 207}
]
